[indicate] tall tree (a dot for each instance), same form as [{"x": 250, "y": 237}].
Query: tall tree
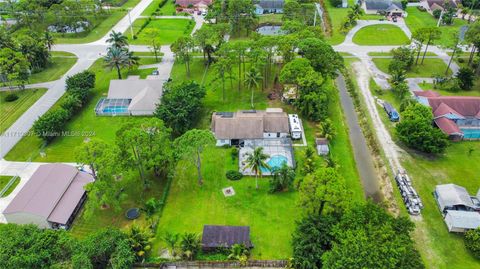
[
  {"x": 13, "y": 67},
  {"x": 321, "y": 55},
  {"x": 431, "y": 35},
  {"x": 324, "y": 188},
  {"x": 419, "y": 39},
  {"x": 117, "y": 58},
  {"x": 223, "y": 69},
  {"x": 182, "y": 48},
  {"x": 191, "y": 144},
  {"x": 253, "y": 79},
  {"x": 255, "y": 161},
  {"x": 117, "y": 40}
]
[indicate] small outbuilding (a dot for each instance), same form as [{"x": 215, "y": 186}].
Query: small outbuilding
[
  {"x": 453, "y": 197},
  {"x": 51, "y": 198},
  {"x": 322, "y": 146},
  {"x": 216, "y": 237},
  {"x": 462, "y": 221}
]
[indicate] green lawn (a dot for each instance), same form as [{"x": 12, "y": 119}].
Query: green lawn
[
  {"x": 417, "y": 19},
  {"x": 163, "y": 31},
  {"x": 270, "y": 18},
  {"x": 434, "y": 241},
  {"x": 167, "y": 10},
  {"x": 429, "y": 68},
  {"x": 58, "y": 66},
  {"x": 474, "y": 92},
  {"x": 381, "y": 34},
  {"x": 337, "y": 15},
  {"x": 101, "y": 29},
  {"x": 11, "y": 111},
  {"x": 3, "y": 182},
  {"x": 373, "y": 54},
  {"x": 61, "y": 149}
]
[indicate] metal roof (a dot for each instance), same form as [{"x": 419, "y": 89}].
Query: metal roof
[
  {"x": 215, "y": 236},
  {"x": 463, "y": 219},
  {"x": 52, "y": 192},
  {"x": 452, "y": 195}
]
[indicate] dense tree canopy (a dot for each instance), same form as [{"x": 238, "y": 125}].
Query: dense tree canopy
[{"x": 321, "y": 55}]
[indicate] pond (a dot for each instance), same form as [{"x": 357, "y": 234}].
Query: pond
[{"x": 270, "y": 30}]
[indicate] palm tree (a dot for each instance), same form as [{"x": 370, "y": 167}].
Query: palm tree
[
  {"x": 132, "y": 59},
  {"x": 117, "y": 58},
  {"x": 117, "y": 40},
  {"x": 190, "y": 245},
  {"x": 253, "y": 78},
  {"x": 171, "y": 239},
  {"x": 49, "y": 41},
  {"x": 327, "y": 130},
  {"x": 256, "y": 161}
]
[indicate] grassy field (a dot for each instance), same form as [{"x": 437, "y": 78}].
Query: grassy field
[
  {"x": 337, "y": 15},
  {"x": 189, "y": 206},
  {"x": 61, "y": 149},
  {"x": 434, "y": 241},
  {"x": 429, "y": 68},
  {"x": 270, "y": 18},
  {"x": 382, "y": 54},
  {"x": 3, "y": 182},
  {"x": 58, "y": 66},
  {"x": 380, "y": 35},
  {"x": 473, "y": 92},
  {"x": 167, "y": 10},
  {"x": 163, "y": 31},
  {"x": 101, "y": 29},
  {"x": 11, "y": 111},
  {"x": 417, "y": 19}
]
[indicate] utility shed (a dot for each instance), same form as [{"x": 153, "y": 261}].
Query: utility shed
[
  {"x": 322, "y": 146},
  {"x": 51, "y": 197},
  {"x": 462, "y": 221},
  {"x": 217, "y": 236},
  {"x": 453, "y": 197}
]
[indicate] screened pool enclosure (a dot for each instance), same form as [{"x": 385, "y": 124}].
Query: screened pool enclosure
[{"x": 112, "y": 107}]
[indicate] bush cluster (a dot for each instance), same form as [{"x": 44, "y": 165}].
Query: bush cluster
[
  {"x": 233, "y": 175},
  {"x": 52, "y": 123},
  {"x": 11, "y": 97}
]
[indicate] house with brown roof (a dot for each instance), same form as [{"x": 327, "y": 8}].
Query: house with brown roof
[
  {"x": 233, "y": 128},
  {"x": 440, "y": 4},
  {"x": 51, "y": 197},
  {"x": 193, "y": 3},
  {"x": 457, "y": 116}
]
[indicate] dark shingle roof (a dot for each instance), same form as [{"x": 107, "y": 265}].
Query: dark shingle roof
[
  {"x": 216, "y": 236},
  {"x": 382, "y": 4},
  {"x": 271, "y": 3}
]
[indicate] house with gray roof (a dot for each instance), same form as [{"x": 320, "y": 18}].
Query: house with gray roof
[
  {"x": 50, "y": 198},
  {"x": 131, "y": 96},
  {"x": 216, "y": 237},
  {"x": 232, "y": 128},
  {"x": 269, "y": 6},
  {"x": 462, "y": 221},
  {"x": 383, "y": 7},
  {"x": 454, "y": 197}
]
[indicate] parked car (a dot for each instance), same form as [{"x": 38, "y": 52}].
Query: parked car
[
  {"x": 155, "y": 72},
  {"x": 391, "y": 112},
  {"x": 199, "y": 12}
]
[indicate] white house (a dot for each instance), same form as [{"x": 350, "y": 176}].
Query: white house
[
  {"x": 233, "y": 128},
  {"x": 384, "y": 7}
]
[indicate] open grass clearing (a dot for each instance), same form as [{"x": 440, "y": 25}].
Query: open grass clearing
[
  {"x": 417, "y": 19},
  {"x": 99, "y": 30},
  {"x": 429, "y": 68},
  {"x": 61, "y": 149},
  {"x": 11, "y": 111},
  {"x": 55, "y": 69},
  {"x": 167, "y": 10},
  {"x": 4, "y": 181},
  {"x": 373, "y": 54},
  {"x": 337, "y": 15},
  {"x": 381, "y": 34},
  {"x": 270, "y": 18},
  {"x": 163, "y": 31},
  {"x": 473, "y": 92}
]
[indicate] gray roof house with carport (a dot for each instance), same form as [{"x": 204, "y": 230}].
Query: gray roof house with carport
[{"x": 51, "y": 197}]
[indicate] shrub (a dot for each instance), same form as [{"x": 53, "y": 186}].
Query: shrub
[
  {"x": 436, "y": 13},
  {"x": 472, "y": 242},
  {"x": 233, "y": 175},
  {"x": 234, "y": 153},
  {"x": 72, "y": 104},
  {"x": 51, "y": 124},
  {"x": 82, "y": 80},
  {"x": 11, "y": 97}
]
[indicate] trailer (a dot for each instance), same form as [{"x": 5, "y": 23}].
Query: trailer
[
  {"x": 391, "y": 111},
  {"x": 295, "y": 126}
]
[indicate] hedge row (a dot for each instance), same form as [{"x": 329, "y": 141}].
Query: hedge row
[{"x": 52, "y": 123}]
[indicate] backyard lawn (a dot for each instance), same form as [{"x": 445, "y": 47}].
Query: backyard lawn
[
  {"x": 337, "y": 15},
  {"x": 59, "y": 64},
  {"x": 101, "y": 29},
  {"x": 61, "y": 149},
  {"x": 11, "y": 111},
  {"x": 163, "y": 31},
  {"x": 270, "y": 18},
  {"x": 381, "y": 34},
  {"x": 417, "y": 19},
  {"x": 429, "y": 68}
]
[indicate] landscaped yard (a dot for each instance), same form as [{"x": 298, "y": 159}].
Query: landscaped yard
[
  {"x": 167, "y": 10},
  {"x": 337, "y": 15},
  {"x": 270, "y": 18},
  {"x": 61, "y": 149},
  {"x": 11, "y": 111},
  {"x": 417, "y": 19},
  {"x": 101, "y": 29},
  {"x": 381, "y": 34},
  {"x": 163, "y": 31},
  {"x": 59, "y": 64},
  {"x": 3, "y": 183},
  {"x": 429, "y": 68},
  {"x": 473, "y": 92}
]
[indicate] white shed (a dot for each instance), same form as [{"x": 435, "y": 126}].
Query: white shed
[{"x": 462, "y": 221}]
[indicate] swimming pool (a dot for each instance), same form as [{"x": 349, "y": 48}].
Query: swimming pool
[
  {"x": 471, "y": 133},
  {"x": 115, "y": 109},
  {"x": 270, "y": 30},
  {"x": 275, "y": 162}
]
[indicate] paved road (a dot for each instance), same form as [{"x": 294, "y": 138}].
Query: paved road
[{"x": 87, "y": 54}]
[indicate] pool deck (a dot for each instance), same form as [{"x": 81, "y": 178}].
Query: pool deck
[{"x": 271, "y": 150}]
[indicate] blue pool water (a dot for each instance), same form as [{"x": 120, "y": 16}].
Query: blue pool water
[
  {"x": 471, "y": 133},
  {"x": 112, "y": 110},
  {"x": 276, "y": 161}
]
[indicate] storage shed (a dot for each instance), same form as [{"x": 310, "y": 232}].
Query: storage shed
[
  {"x": 217, "y": 236},
  {"x": 322, "y": 146},
  {"x": 462, "y": 221},
  {"x": 453, "y": 197}
]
